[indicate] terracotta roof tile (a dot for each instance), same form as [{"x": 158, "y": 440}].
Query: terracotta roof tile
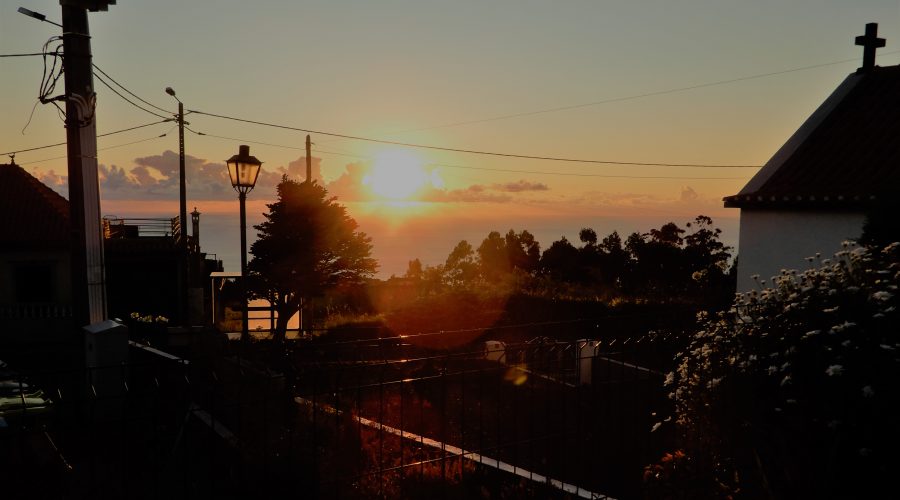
[
  {"x": 851, "y": 157},
  {"x": 33, "y": 215}
]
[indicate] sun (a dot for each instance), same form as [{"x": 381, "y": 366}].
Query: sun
[{"x": 396, "y": 175}]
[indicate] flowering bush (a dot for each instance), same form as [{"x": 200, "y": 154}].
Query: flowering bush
[
  {"x": 137, "y": 318},
  {"x": 793, "y": 392}
]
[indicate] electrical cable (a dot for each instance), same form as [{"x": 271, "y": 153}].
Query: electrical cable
[
  {"x": 98, "y": 135},
  {"x": 126, "y": 99},
  {"x": 23, "y": 55},
  {"x": 104, "y": 73},
  {"x": 638, "y": 96},
  {"x": 468, "y": 151},
  {"x": 507, "y": 170},
  {"x": 100, "y": 149}
]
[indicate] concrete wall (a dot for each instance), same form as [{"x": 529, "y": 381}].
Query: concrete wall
[{"x": 772, "y": 240}]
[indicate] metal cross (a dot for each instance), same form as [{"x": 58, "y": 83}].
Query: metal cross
[{"x": 870, "y": 43}]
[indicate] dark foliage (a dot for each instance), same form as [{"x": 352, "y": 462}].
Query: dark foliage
[{"x": 307, "y": 246}]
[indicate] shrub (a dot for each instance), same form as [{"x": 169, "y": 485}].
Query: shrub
[{"x": 793, "y": 391}]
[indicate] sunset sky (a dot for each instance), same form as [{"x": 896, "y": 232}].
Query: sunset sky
[{"x": 628, "y": 81}]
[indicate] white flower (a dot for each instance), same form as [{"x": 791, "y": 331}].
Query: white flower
[
  {"x": 882, "y": 296},
  {"x": 834, "y": 370},
  {"x": 868, "y": 391},
  {"x": 656, "y": 426},
  {"x": 772, "y": 370},
  {"x": 786, "y": 380},
  {"x": 670, "y": 379}
]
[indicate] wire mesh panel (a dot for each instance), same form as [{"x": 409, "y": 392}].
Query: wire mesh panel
[{"x": 374, "y": 418}]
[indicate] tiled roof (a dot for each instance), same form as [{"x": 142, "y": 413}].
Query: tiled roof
[
  {"x": 846, "y": 155},
  {"x": 31, "y": 214}
]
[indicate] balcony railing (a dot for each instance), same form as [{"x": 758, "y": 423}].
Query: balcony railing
[
  {"x": 30, "y": 311},
  {"x": 160, "y": 228},
  {"x": 116, "y": 228}
]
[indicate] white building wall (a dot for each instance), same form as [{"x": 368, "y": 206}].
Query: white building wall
[{"x": 772, "y": 240}]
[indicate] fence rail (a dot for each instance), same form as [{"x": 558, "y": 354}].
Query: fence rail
[{"x": 380, "y": 418}]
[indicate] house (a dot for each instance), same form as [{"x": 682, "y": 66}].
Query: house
[
  {"x": 35, "y": 276},
  {"x": 839, "y": 167},
  {"x": 143, "y": 259}
]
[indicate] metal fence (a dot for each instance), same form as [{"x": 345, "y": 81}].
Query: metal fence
[{"x": 373, "y": 418}]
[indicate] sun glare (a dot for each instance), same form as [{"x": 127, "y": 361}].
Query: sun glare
[{"x": 397, "y": 175}]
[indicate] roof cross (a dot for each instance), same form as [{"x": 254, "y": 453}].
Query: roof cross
[{"x": 870, "y": 43}]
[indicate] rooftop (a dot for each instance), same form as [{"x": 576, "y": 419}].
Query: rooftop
[
  {"x": 33, "y": 214},
  {"x": 846, "y": 155}
]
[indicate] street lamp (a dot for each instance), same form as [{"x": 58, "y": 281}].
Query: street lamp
[
  {"x": 243, "y": 170},
  {"x": 182, "y": 213}
]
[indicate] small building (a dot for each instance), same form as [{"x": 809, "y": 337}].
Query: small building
[
  {"x": 35, "y": 272},
  {"x": 144, "y": 259},
  {"x": 817, "y": 191}
]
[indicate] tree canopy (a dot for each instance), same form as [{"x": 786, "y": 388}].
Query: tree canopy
[
  {"x": 684, "y": 263},
  {"x": 306, "y": 245}
]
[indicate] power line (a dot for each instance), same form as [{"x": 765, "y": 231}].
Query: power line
[
  {"x": 469, "y": 151},
  {"x": 130, "y": 92},
  {"x": 129, "y": 101},
  {"x": 129, "y": 129},
  {"x": 637, "y": 96},
  {"x": 538, "y": 172},
  {"x": 573, "y": 174},
  {"x": 507, "y": 170},
  {"x": 27, "y": 55},
  {"x": 98, "y": 135},
  {"x": 101, "y": 149}
]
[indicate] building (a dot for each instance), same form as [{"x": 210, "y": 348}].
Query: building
[
  {"x": 35, "y": 272},
  {"x": 143, "y": 263},
  {"x": 839, "y": 167}
]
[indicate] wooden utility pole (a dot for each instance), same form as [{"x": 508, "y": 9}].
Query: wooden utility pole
[
  {"x": 308, "y": 159},
  {"x": 88, "y": 280}
]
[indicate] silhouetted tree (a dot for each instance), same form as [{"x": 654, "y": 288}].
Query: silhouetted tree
[
  {"x": 493, "y": 258},
  {"x": 614, "y": 261},
  {"x": 414, "y": 269},
  {"x": 560, "y": 261},
  {"x": 306, "y": 246},
  {"x": 460, "y": 268},
  {"x": 706, "y": 259},
  {"x": 523, "y": 251}
]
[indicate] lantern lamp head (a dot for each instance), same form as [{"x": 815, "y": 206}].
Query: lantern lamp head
[{"x": 243, "y": 170}]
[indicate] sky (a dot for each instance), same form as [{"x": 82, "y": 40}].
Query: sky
[{"x": 714, "y": 82}]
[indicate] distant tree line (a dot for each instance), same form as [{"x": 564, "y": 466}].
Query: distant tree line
[{"x": 668, "y": 263}]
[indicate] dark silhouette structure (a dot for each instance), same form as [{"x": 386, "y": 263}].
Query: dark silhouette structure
[
  {"x": 35, "y": 280},
  {"x": 838, "y": 166}
]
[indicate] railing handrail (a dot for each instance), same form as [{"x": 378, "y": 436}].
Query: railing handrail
[{"x": 143, "y": 227}]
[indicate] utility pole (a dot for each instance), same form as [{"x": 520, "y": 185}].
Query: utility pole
[
  {"x": 88, "y": 280},
  {"x": 183, "y": 276},
  {"x": 308, "y": 159},
  {"x": 304, "y": 306}
]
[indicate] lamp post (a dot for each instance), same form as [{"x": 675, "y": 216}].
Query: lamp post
[
  {"x": 182, "y": 213},
  {"x": 243, "y": 170}
]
